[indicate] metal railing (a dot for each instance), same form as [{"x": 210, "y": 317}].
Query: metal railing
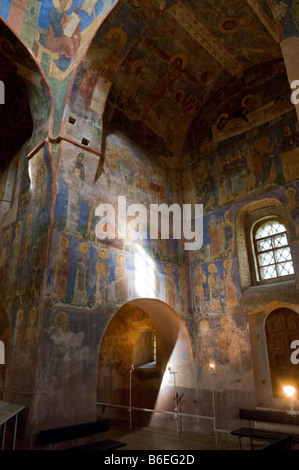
[{"x": 175, "y": 413}]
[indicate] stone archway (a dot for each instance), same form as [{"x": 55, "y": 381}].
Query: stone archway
[{"x": 152, "y": 383}]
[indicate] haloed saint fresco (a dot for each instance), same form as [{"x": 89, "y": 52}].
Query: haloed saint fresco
[{"x": 61, "y": 28}]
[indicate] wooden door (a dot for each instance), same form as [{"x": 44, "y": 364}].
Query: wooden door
[{"x": 282, "y": 327}]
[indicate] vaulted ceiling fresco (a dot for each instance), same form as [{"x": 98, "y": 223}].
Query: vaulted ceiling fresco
[
  {"x": 200, "y": 59},
  {"x": 169, "y": 73}
]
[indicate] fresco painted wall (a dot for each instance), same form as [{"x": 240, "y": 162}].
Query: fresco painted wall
[
  {"x": 37, "y": 22},
  {"x": 24, "y": 215},
  {"x": 59, "y": 282},
  {"x": 24, "y": 220},
  {"x": 104, "y": 274},
  {"x": 23, "y": 261},
  {"x": 23, "y": 241},
  {"x": 266, "y": 163},
  {"x": 261, "y": 163}
]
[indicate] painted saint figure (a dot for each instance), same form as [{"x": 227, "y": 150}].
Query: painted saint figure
[
  {"x": 75, "y": 181},
  {"x": 101, "y": 278},
  {"x": 61, "y": 269},
  {"x": 61, "y": 37},
  {"x": 229, "y": 285},
  {"x": 213, "y": 286},
  {"x": 121, "y": 280},
  {"x": 169, "y": 287},
  {"x": 199, "y": 281},
  {"x": 183, "y": 288},
  {"x": 100, "y": 68},
  {"x": 175, "y": 68},
  {"x": 82, "y": 275}
]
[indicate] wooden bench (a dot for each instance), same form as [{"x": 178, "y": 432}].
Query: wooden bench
[
  {"x": 285, "y": 443},
  {"x": 47, "y": 437},
  {"x": 266, "y": 416}
]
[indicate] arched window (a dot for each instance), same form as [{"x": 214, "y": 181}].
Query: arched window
[{"x": 271, "y": 249}]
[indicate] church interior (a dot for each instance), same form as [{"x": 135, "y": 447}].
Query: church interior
[{"x": 148, "y": 102}]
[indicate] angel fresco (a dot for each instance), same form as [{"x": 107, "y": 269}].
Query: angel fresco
[
  {"x": 100, "y": 68},
  {"x": 133, "y": 76},
  {"x": 175, "y": 69}
]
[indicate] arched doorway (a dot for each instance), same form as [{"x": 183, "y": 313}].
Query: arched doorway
[
  {"x": 150, "y": 336},
  {"x": 282, "y": 327},
  {"x": 4, "y": 347}
]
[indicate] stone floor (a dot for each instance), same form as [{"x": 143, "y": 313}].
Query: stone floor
[{"x": 147, "y": 438}]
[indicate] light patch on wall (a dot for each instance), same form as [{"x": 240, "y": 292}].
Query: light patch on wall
[
  {"x": 144, "y": 274},
  {"x": 2, "y": 353},
  {"x": 31, "y": 174}
]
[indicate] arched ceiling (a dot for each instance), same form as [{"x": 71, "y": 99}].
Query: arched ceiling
[
  {"x": 198, "y": 59},
  {"x": 167, "y": 73}
]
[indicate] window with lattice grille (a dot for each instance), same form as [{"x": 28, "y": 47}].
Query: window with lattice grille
[{"x": 272, "y": 251}]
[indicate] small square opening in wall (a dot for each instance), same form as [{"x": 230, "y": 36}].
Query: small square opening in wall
[
  {"x": 72, "y": 120},
  {"x": 85, "y": 141},
  {"x": 145, "y": 352}
]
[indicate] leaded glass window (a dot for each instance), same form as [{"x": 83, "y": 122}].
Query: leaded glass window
[{"x": 272, "y": 250}]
